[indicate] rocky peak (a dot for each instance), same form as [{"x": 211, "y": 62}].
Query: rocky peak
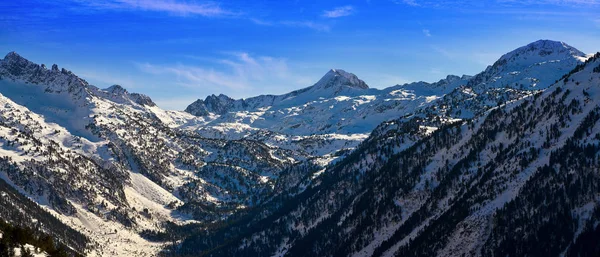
[
  {"x": 197, "y": 108},
  {"x": 218, "y": 104},
  {"x": 142, "y": 99},
  {"x": 212, "y": 104},
  {"x": 338, "y": 79},
  {"x": 117, "y": 90},
  {"x": 13, "y": 56}
]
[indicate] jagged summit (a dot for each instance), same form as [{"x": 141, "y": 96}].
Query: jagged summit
[
  {"x": 334, "y": 83},
  {"x": 337, "y": 78},
  {"x": 13, "y": 55},
  {"x": 116, "y": 89},
  {"x": 17, "y": 61},
  {"x": 55, "y": 80},
  {"x": 120, "y": 92},
  {"x": 451, "y": 78},
  {"x": 216, "y": 104}
]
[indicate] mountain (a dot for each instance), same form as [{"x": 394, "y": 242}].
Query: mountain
[
  {"x": 103, "y": 160},
  {"x": 517, "y": 179},
  {"x": 338, "y": 103},
  {"x": 332, "y": 116},
  {"x": 484, "y": 165},
  {"x": 516, "y": 74},
  {"x": 340, "y": 110},
  {"x": 334, "y": 83}
]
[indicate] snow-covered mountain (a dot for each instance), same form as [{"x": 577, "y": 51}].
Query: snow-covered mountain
[
  {"x": 340, "y": 110},
  {"x": 102, "y": 159},
  {"x": 336, "y": 168},
  {"x": 339, "y": 103},
  {"x": 518, "y": 179},
  {"x": 535, "y": 66}
]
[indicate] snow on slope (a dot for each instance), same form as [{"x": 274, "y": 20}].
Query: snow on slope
[
  {"x": 440, "y": 192},
  {"x": 130, "y": 155},
  {"x": 334, "y": 114},
  {"x": 341, "y": 103},
  {"x": 338, "y": 103},
  {"x": 106, "y": 159},
  {"x": 142, "y": 193}
]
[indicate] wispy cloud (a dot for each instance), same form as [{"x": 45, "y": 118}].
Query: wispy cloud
[
  {"x": 239, "y": 72},
  {"x": 427, "y": 33},
  {"x": 297, "y": 24},
  {"x": 191, "y": 76},
  {"x": 408, "y": 2},
  {"x": 339, "y": 12},
  {"x": 306, "y": 24},
  {"x": 207, "y": 9},
  {"x": 184, "y": 8}
]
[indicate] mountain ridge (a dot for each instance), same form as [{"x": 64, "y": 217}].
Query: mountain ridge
[
  {"x": 381, "y": 164},
  {"x": 508, "y": 182}
]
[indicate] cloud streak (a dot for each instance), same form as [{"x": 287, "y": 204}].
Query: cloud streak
[
  {"x": 296, "y": 24},
  {"x": 195, "y": 8},
  {"x": 208, "y": 9},
  {"x": 240, "y": 72},
  {"x": 339, "y": 12}
]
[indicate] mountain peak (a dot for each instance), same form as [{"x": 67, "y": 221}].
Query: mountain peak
[
  {"x": 539, "y": 51},
  {"x": 546, "y": 47},
  {"x": 219, "y": 104},
  {"x": 338, "y": 78},
  {"x": 117, "y": 90},
  {"x": 13, "y": 55},
  {"x": 15, "y": 58}
]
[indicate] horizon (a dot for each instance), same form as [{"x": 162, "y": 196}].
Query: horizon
[{"x": 267, "y": 48}]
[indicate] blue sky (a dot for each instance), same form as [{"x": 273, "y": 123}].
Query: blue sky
[{"x": 180, "y": 50}]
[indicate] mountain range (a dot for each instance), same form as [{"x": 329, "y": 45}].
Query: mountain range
[{"x": 502, "y": 163}]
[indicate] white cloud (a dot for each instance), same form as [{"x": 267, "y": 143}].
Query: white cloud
[
  {"x": 339, "y": 12},
  {"x": 410, "y": 2},
  {"x": 298, "y": 24},
  {"x": 239, "y": 73},
  {"x": 191, "y": 76},
  {"x": 208, "y": 9},
  {"x": 306, "y": 24},
  {"x": 427, "y": 33}
]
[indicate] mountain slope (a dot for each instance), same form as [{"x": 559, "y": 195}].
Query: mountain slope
[
  {"x": 337, "y": 168},
  {"x": 341, "y": 104},
  {"x": 103, "y": 159},
  {"x": 338, "y": 103},
  {"x": 519, "y": 179}
]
